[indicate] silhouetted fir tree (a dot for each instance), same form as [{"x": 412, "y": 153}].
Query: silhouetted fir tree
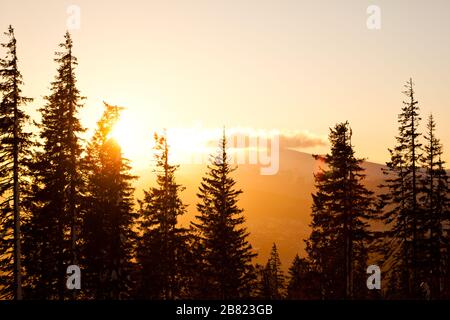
[
  {"x": 227, "y": 253},
  {"x": 342, "y": 206},
  {"x": 303, "y": 281},
  {"x": 272, "y": 279},
  {"x": 435, "y": 220},
  {"x": 108, "y": 239},
  {"x": 51, "y": 237},
  {"x": 402, "y": 216},
  {"x": 163, "y": 249},
  {"x": 14, "y": 154}
]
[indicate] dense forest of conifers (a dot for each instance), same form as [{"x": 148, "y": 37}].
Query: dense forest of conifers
[{"x": 64, "y": 202}]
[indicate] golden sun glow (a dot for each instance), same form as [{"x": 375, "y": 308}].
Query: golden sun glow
[
  {"x": 132, "y": 136},
  {"x": 186, "y": 145}
]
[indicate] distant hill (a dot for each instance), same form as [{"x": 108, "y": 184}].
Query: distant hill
[{"x": 277, "y": 208}]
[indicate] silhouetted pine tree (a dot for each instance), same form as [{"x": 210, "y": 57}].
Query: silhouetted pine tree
[
  {"x": 227, "y": 253},
  {"x": 337, "y": 246},
  {"x": 435, "y": 220},
  {"x": 51, "y": 236},
  {"x": 108, "y": 238},
  {"x": 163, "y": 249},
  {"x": 14, "y": 142},
  {"x": 303, "y": 281},
  {"x": 272, "y": 280},
  {"x": 402, "y": 216}
]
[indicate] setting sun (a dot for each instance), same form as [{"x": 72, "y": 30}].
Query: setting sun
[
  {"x": 133, "y": 137},
  {"x": 187, "y": 145}
]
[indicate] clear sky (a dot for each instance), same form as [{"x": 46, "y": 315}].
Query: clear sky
[{"x": 286, "y": 65}]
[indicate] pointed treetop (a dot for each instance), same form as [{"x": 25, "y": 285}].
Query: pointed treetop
[
  {"x": 10, "y": 31},
  {"x": 68, "y": 43}
]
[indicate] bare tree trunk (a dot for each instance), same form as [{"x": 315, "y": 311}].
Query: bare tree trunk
[{"x": 17, "y": 253}]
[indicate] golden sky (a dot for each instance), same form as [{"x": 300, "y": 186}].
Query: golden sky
[{"x": 284, "y": 65}]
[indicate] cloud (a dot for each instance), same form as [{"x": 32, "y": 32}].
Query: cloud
[
  {"x": 240, "y": 139},
  {"x": 301, "y": 140}
]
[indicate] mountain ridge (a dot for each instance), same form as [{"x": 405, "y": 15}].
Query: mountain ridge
[{"x": 277, "y": 207}]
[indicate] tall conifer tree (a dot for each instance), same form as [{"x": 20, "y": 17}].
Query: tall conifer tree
[
  {"x": 51, "y": 232},
  {"x": 14, "y": 142},
  {"x": 342, "y": 206},
  {"x": 435, "y": 220},
  {"x": 163, "y": 249},
  {"x": 108, "y": 238},
  {"x": 227, "y": 253},
  {"x": 403, "y": 218}
]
